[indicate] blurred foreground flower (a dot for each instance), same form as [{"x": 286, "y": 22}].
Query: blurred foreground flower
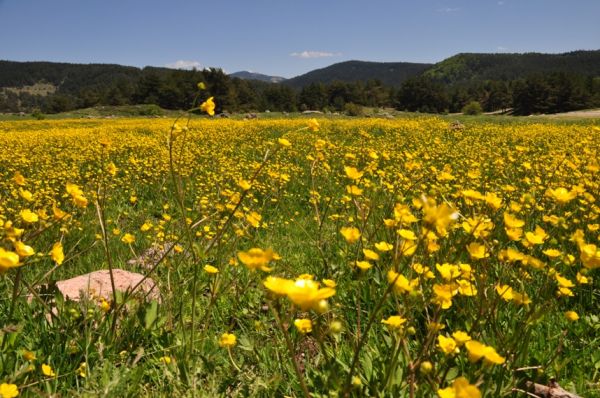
[
  {"x": 460, "y": 389},
  {"x": 305, "y": 293},
  {"x": 257, "y": 258},
  {"x": 208, "y": 106},
  {"x": 8, "y": 390}
]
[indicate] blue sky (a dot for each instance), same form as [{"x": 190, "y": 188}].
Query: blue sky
[{"x": 285, "y": 37}]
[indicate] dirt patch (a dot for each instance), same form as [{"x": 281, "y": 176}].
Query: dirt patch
[{"x": 588, "y": 114}]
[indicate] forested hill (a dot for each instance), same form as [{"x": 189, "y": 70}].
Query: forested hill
[
  {"x": 480, "y": 67},
  {"x": 257, "y": 76},
  {"x": 71, "y": 77},
  {"x": 524, "y": 83},
  {"x": 391, "y": 74}
]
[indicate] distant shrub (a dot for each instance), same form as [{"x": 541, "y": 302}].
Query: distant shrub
[
  {"x": 353, "y": 110},
  {"x": 472, "y": 108},
  {"x": 150, "y": 110},
  {"x": 38, "y": 114}
]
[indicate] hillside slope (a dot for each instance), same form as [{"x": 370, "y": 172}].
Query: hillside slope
[
  {"x": 257, "y": 76},
  {"x": 389, "y": 73},
  {"x": 473, "y": 66}
]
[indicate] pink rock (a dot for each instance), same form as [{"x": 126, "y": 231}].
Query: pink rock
[{"x": 98, "y": 284}]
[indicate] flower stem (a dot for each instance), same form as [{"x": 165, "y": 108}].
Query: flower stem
[{"x": 290, "y": 347}]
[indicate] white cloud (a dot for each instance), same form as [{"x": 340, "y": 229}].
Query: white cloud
[
  {"x": 182, "y": 64},
  {"x": 314, "y": 54},
  {"x": 501, "y": 49},
  {"x": 448, "y": 9}
]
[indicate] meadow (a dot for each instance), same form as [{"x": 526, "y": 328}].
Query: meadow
[{"x": 301, "y": 257}]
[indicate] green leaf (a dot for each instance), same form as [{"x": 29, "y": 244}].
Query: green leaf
[
  {"x": 245, "y": 344},
  {"x": 151, "y": 315},
  {"x": 367, "y": 365}
]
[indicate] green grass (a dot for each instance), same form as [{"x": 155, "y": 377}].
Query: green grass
[{"x": 125, "y": 351}]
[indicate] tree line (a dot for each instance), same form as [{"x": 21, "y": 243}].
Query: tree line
[{"x": 177, "y": 89}]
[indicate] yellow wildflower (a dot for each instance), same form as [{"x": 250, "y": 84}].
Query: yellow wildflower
[
  {"x": 354, "y": 190},
  {"x": 407, "y": 234},
  {"x": 245, "y": 185},
  {"x": 571, "y": 316},
  {"x": 227, "y": 340},
  {"x": 254, "y": 219},
  {"x": 561, "y": 195},
  {"x": 29, "y": 216},
  {"x": 19, "y": 179},
  {"x": 209, "y": 269},
  {"x": 505, "y": 292},
  {"x": 461, "y": 388},
  {"x": 8, "y": 390},
  {"x": 477, "y": 251},
  {"x": 304, "y": 326},
  {"x": 493, "y": 201},
  {"x": 257, "y": 258},
  {"x": 394, "y": 322},
  {"x": 401, "y": 283},
  {"x": 448, "y": 272},
  {"x": 582, "y": 279},
  {"x": 128, "y": 239},
  {"x": 383, "y": 246},
  {"x": 439, "y": 217},
  {"x": 446, "y": 344},
  {"x": 563, "y": 282},
  {"x": 444, "y": 294},
  {"x": 351, "y": 234},
  {"x": 82, "y": 370},
  {"x": 353, "y": 173},
  {"x": 364, "y": 265},
  {"x": 58, "y": 213},
  {"x": 305, "y": 293},
  {"x": 111, "y": 169},
  {"x": 57, "y": 253},
  {"x": 460, "y": 337},
  {"x": 8, "y": 260},
  {"x": 23, "y": 250},
  {"x": 466, "y": 288},
  {"x": 208, "y": 106},
  {"x": 370, "y": 255},
  {"x": 514, "y": 234},
  {"x": 25, "y": 194},
  {"x": 77, "y": 195},
  {"x": 48, "y": 371},
  {"x": 284, "y": 142},
  {"x": 512, "y": 222},
  {"x": 313, "y": 125},
  {"x": 477, "y": 350}
]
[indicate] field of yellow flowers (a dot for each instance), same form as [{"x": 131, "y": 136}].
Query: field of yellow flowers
[{"x": 301, "y": 257}]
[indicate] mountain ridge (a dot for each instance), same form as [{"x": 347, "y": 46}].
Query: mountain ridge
[
  {"x": 464, "y": 67},
  {"x": 247, "y": 75},
  {"x": 552, "y": 82},
  {"x": 389, "y": 73}
]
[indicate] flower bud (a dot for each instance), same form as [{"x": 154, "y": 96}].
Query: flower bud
[{"x": 426, "y": 367}]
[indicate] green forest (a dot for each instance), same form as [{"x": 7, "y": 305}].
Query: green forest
[{"x": 522, "y": 83}]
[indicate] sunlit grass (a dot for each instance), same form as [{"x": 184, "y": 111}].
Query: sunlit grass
[{"x": 333, "y": 258}]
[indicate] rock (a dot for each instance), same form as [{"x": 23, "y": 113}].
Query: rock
[
  {"x": 552, "y": 390},
  {"x": 456, "y": 125},
  {"x": 98, "y": 284},
  {"x": 151, "y": 256},
  {"x": 310, "y": 112}
]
